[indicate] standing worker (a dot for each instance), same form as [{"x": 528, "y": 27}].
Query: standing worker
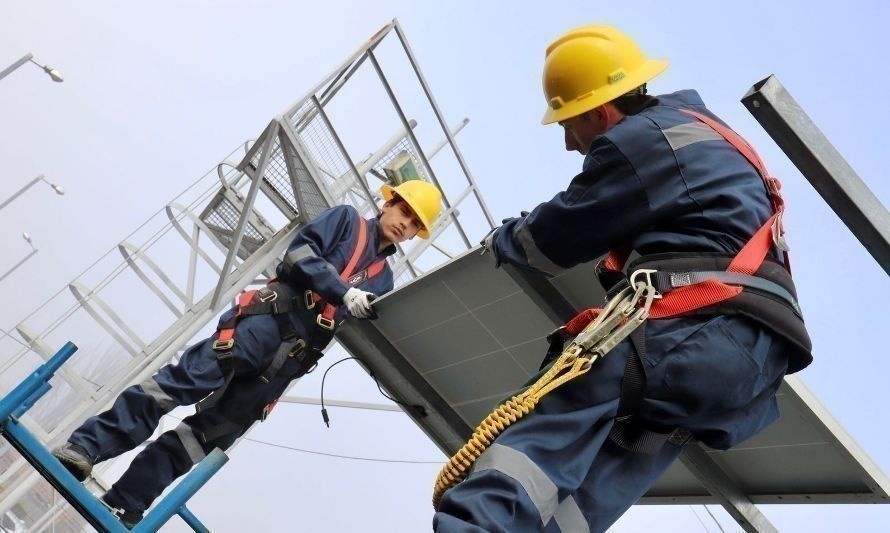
[
  {"x": 335, "y": 264},
  {"x": 664, "y": 177}
]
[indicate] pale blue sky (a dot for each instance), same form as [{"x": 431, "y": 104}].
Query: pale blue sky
[{"x": 157, "y": 93}]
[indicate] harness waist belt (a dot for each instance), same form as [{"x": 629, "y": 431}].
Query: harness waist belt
[
  {"x": 768, "y": 296},
  {"x": 664, "y": 282}
]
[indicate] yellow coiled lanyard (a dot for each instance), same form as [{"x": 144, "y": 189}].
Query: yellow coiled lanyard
[{"x": 622, "y": 315}]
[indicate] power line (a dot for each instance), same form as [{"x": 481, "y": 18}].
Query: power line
[
  {"x": 334, "y": 455},
  {"x": 714, "y": 518},
  {"x": 315, "y": 452},
  {"x": 700, "y": 521},
  {"x": 10, "y": 335}
]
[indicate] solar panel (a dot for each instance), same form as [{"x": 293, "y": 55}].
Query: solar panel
[{"x": 463, "y": 337}]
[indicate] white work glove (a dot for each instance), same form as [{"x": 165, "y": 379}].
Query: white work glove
[
  {"x": 486, "y": 242},
  {"x": 358, "y": 302}
]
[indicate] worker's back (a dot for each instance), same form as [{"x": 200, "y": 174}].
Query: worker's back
[{"x": 702, "y": 194}]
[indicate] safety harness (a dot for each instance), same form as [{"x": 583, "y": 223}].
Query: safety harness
[
  {"x": 279, "y": 300},
  {"x": 659, "y": 287}
]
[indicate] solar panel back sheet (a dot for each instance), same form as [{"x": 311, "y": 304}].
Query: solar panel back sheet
[{"x": 463, "y": 337}]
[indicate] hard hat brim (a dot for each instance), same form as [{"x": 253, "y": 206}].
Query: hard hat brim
[
  {"x": 641, "y": 75},
  {"x": 389, "y": 192}
]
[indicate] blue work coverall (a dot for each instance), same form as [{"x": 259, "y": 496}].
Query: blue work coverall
[
  {"x": 319, "y": 251},
  {"x": 660, "y": 181}
]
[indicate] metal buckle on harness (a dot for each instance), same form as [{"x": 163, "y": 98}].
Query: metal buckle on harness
[
  {"x": 297, "y": 348},
  {"x": 309, "y": 300},
  {"x": 267, "y": 410},
  {"x": 778, "y": 232},
  {"x": 268, "y": 297},
  {"x": 325, "y": 323},
  {"x": 223, "y": 346},
  {"x": 648, "y": 272}
]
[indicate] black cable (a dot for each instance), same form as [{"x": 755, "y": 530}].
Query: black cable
[
  {"x": 324, "y": 412},
  {"x": 417, "y": 409}
]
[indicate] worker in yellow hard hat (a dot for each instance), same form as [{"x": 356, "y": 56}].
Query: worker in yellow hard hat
[
  {"x": 335, "y": 266},
  {"x": 423, "y": 199},
  {"x": 662, "y": 176}
]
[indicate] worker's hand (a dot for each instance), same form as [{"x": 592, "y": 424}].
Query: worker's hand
[
  {"x": 358, "y": 302},
  {"x": 486, "y": 241}
]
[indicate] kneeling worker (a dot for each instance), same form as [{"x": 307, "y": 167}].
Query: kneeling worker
[{"x": 335, "y": 264}]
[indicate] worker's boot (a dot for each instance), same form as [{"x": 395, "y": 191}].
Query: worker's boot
[
  {"x": 75, "y": 459},
  {"x": 129, "y": 518}
]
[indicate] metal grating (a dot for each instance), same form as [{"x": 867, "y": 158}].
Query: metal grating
[
  {"x": 224, "y": 216},
  {"x": 405, "y": 145},
  {"x": 277, "y": 177},
  {"x": 319, "y": 140},
  {"x": 313, "y": 201}
]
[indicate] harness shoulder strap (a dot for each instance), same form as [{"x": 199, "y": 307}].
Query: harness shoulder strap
[{"x": 350, "y": 276}]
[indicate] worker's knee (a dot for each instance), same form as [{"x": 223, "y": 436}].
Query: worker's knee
[{"x": 490, "y": 500}]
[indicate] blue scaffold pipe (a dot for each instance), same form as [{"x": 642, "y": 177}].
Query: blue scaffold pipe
[
  {"x": 191, "y": 520},
  {"x": 72, "y": 490},
  {"x": 36, "y": 395},
  {"x": 187, "y": 488},
  {"x": 24, "y": 393}
]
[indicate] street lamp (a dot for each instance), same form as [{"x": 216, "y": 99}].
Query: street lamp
[
  {"x": 53, "y": 73},
  {"x": 59, "y": 190},
  {"x": 27, "y": 238}
]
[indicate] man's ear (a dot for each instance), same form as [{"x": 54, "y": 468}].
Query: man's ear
[{"x": 600, "y": 116}]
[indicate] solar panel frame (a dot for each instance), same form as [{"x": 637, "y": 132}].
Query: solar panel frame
[{"x": 464, "y": 336}]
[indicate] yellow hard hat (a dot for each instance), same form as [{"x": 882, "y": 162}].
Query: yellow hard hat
[
  {"x": 592, "y": 65},
  {"x": 423, "y": 198}
]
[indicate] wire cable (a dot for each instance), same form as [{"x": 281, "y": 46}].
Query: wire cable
[
  {"x": 418, "y": 409},
  {"x": 714, "y": 518},
  {"x": 333, "y": 455},
  {"x": 337, "y": 456},
  {"x": 700, "y": 521}
]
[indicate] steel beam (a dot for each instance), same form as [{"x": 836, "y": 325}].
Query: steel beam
[
  {"x": 429, "y": 95},
  {"x": 416, "y": 143},
  {"x": 732, "y": 498},
  {"x": 822, "y": 165},
  {"x": 268, "y": 142},
  {"x": 340, "y": 403}
]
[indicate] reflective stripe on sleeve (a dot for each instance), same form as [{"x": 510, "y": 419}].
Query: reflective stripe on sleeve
[
  {"x": 151, "y": 387},
  {"x": 519, "y": 467},
  {"x": 190, "y": 442},
  {"x": 569, "y": 518},
  {"x": 536, "y": 257},
  {"x": 298, "y": 254},
  {"x": 686, "y": 134}
]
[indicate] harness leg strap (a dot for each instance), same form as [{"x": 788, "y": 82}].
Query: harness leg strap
[
  {"x": 285, "y": 349},
  {"x": 227, "y": 365},
  {"x": 625, "y": 432},
  {"x": 217, "y": 431}
]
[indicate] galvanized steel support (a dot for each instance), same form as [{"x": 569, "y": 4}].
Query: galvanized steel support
[{"x": 822, "y": 165}]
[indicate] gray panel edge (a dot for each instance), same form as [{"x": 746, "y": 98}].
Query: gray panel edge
[
  {"x": 871, "y": 474},
  {"x": 442, "y": 424}
]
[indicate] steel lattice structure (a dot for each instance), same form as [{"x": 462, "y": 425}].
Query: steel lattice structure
[{"x": 138, "y": 306}]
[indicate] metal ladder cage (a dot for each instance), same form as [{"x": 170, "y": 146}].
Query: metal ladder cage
[{"x": 134, "y": 312}]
